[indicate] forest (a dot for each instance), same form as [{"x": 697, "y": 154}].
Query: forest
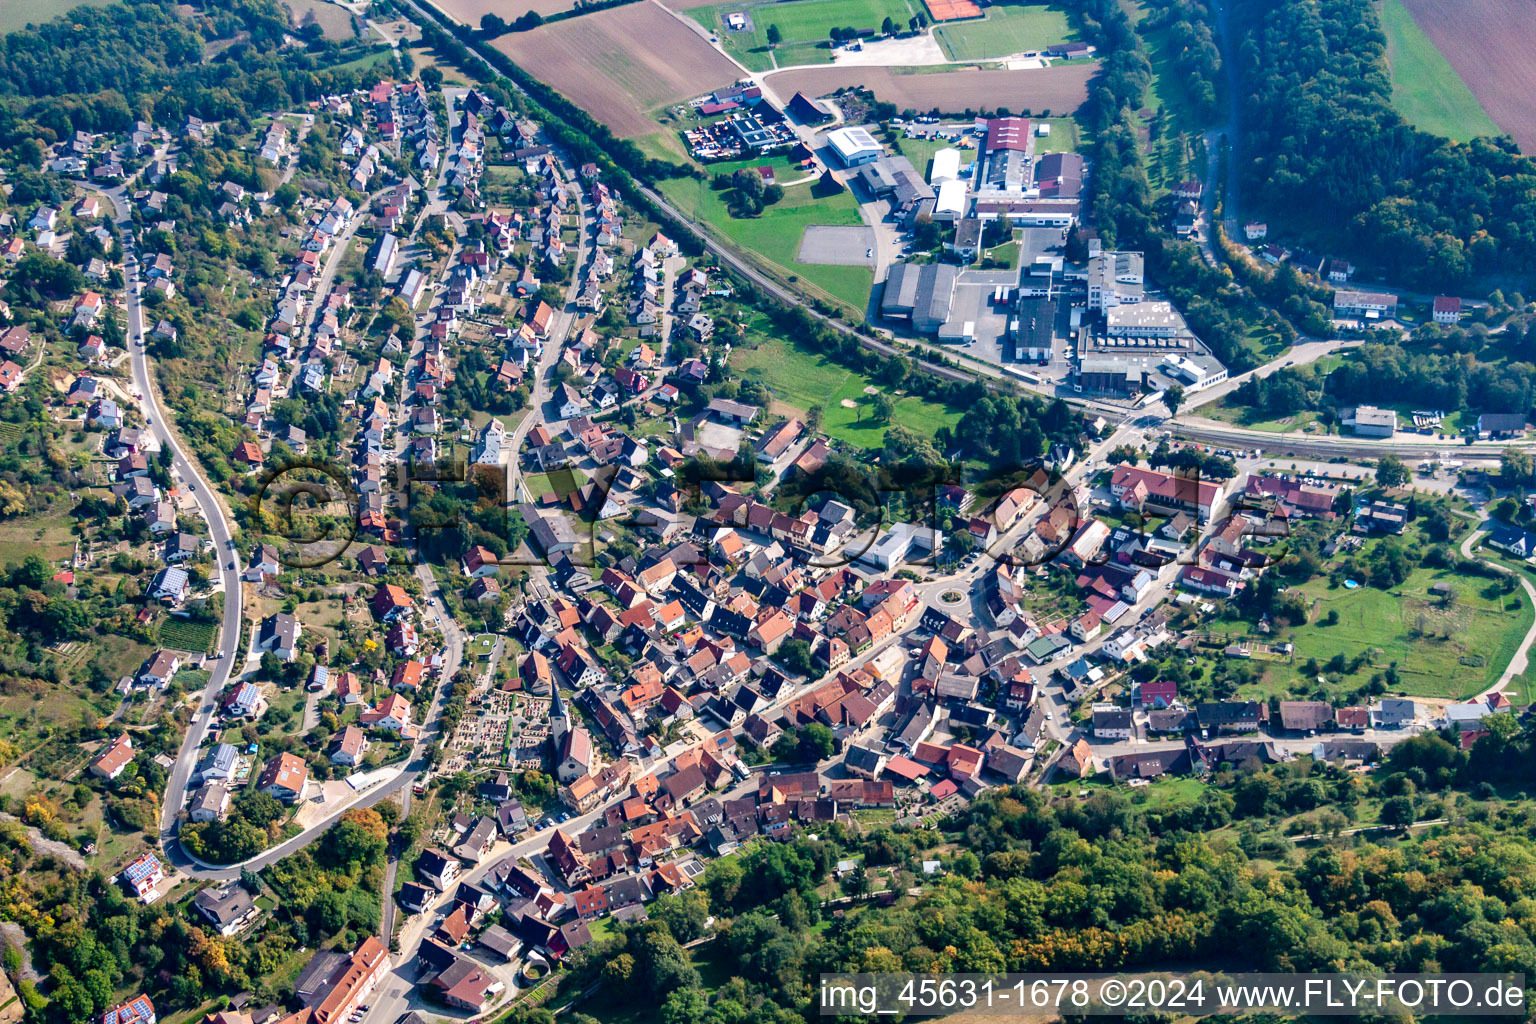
[
  {"x": 1323, "y": 148},
  {"x": 98, "y": 69}
]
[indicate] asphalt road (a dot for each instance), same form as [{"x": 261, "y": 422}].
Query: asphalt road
[{"x": 230, "y": 636}]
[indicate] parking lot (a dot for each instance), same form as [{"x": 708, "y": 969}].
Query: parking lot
[{"x": 847, "y": 246}]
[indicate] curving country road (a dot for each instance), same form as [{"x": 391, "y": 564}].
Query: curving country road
[
  {"x": 231, "y": 635},
  {"x": 213, "y": 511}
]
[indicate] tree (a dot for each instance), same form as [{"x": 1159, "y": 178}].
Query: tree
[
  {"x": 1398, "y": 811},
  {"x": 775, "y": 36},
  {"x": 884, "y": 407},
  {"x": 795, "y": 655},
  {"x": 1390, "y": 472},
  {"x": 888, "y": 27},
  {"x": 1173, "y": 398},
  {"x": 432, "y": 78},
  {"x": 685, "y": 1006},
  {"x": 683, "y": 913}
]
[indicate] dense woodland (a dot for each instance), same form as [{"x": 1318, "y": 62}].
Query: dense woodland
[
  {"x": 99, "y": 69},
  {"x": 1323, "y": 146}
]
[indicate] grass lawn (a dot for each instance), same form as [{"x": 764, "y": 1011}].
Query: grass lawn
[
  {"x": 19, "y": 16},
  {"x": 1247, "y": 416},
  {"x": 1007, "y": 29},
  {"x": 776, "y": 234},
  {"x": 1452, "y": 651},
  {"x": 368, "y": 60},
  {"x": 920, "y": 152},
  {"x": 851, "y": 284},
  {"x": 801, "y": 379},
  {"x": 1006, "y": 253},
  {"x": 800, "y": 22},
  {"x": 663, "y": 145},
  {"x": 1426, "y": 90},
  {"x": 1167, "y": 114},
  {"x": 45, "y": 535},
  {"x": 544, "y": 483},
  {"x": 1165, "y": 792}
]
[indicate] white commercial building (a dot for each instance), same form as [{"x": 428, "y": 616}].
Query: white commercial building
[
  {"x": 855, "y": 146},
  {"x": 946, "y": 166},
  {"x": 951, "y": 203},
  {"x": 893, "y": 548}
]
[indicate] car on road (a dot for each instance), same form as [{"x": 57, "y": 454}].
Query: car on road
[
  {"x": 868, "y": 253},
  {"x": 231, "y": 566}
]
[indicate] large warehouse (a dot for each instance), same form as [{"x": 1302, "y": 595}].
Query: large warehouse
[
  {"x": 952, "y": 199},
  {"x": 1007, "y": 161},
  {"x": 855, "y": 146},
  {"x": 923, "y": 294}
]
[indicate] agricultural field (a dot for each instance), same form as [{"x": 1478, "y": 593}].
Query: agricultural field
[
  {"x": 186, "y": 635},
  {"x": 1059, "y": 89},
  {"x": 800, "y": 379},
  {"x": 14, "y": 16},
  {"x": 621, "y": 63},
  {"x": 1426, "y": 90},
  {"x": 1005, "y": 30},
  {"x": 469, "y": 12},
  {"x": 1449, "y": 650},
  {"x": 806, "y": 26},
  {"x": 334, "y": 20},
  {"x": 1492, "y": 45},
  {"x": 776, "y": 235}
]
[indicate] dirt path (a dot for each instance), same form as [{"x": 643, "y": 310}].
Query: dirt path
[{"x": 42, "y": 844}]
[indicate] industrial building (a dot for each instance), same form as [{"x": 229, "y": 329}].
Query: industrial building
[
  {"x": 855, "y": 146},
  {"x": 1114, "y": 278},
  {"x": 946, "y": 166},
  {"x": 1034, "y": 329},
  {"x": 1143, "y": 320},
  {"x": 923, "y": 294},
  {"x": 951, "y": 201},
  {"x": 1110, "y": 375},
  {"x": 1059, "y": 175},
  {"x": 895, "y": 179},
  {"x": 1369, "y": 421},
  {"x": 1006, "y": 163}
]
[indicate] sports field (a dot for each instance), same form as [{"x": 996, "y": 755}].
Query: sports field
[
  {"x": 804, "y": 26},
  {"x": 1426, "y": 90},
  {"x": 1005, "y": 30}
]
